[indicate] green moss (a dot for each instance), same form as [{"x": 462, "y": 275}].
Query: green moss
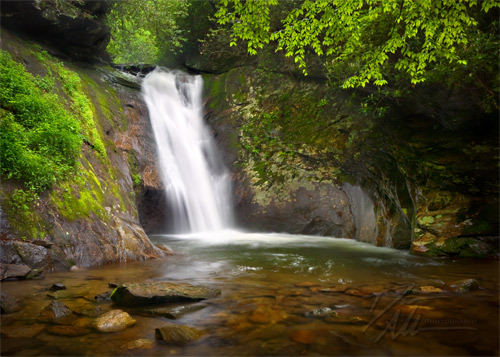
[
  {"x": 108, "y": 102},
  {"x": 39, "y": 138},
  {"x": 79, "y": 197},
  {"x": 426, "y": 220},
  {"x": 23, "y": 212}
]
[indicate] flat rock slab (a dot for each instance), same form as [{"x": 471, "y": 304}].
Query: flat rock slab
[
  {"x": 138, "y": 294},
  {"x": 13, "y": 271},
  {"x": 178, "y": 334},
  {"x": 175, "y": 312}
]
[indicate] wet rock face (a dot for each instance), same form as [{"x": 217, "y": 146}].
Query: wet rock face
[
  {"x": 78, "y": 32},
  {"x": 153, "y": 210},
  {"x": 299, "y": 207},
  {"x": 423, "y": 175}
]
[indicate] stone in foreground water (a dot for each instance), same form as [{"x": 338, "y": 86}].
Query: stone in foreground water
[
  {"x": 178, "y": 334},
  {"x": 113, "y": 321},
  {"x": 137, "y": 294}
]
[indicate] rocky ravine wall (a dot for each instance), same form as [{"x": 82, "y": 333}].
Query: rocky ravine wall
[
  {"x": 306, "y": 160},
  {"x": 91, "y": 218}
]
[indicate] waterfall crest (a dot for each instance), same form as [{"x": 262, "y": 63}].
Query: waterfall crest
[{"x": 198, "y": 187}]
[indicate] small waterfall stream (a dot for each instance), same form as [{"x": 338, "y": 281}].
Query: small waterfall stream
[{"x": 197, "y": 185}]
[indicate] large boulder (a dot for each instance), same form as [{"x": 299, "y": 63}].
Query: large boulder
[{"x": 137, "y": 294}]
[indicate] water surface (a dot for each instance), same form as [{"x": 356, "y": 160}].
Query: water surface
[{"x": 269, "y": 285}]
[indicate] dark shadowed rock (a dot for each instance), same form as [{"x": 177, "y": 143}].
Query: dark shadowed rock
[
  {"x": 106, "y": 296},
  {"x": 467, "y": 285},
  {"x": 78, "y": 32},
  {"x": 178, "y": 334},
  {"x": 9, "y": 303},
  {"x": 57, "y": 286},
  {"x": 113, "y": 321},
  {"x": 137, "y": 294},
  {"x": 13, "y": 271}
]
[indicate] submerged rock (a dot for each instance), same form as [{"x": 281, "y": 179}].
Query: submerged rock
[
  {"x": 69, "y": 331},
  {"x": 113, "y": 321},
  {"x": 178, "y": 334},
  {"x": 430, "y": 289},
  {"x": 176, "y": 312},
  {"x": 265, "y": 314},
  {"x": 321, "y": 312},
  {"x": 9, "y": 303},
  {"x": 22, "y": 331},
  {"x": 69, "y": 294},
  {"x": 305, "y": 337},
  {"x": 140, "y": 344},
  {"x": 137, "y": 294},
  {"x": 55, "y": 310},
  {"x": 467, "y": 285}
]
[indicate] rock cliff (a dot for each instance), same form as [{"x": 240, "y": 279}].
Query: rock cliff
[{"x": 92, "y": 216}]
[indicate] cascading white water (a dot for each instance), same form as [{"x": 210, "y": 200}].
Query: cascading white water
[{"x": 197, "y": 185}]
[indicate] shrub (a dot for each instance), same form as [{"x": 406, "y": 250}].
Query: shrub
[{"x": 39, "y": 139}]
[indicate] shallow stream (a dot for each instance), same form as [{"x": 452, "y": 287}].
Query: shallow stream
[{"x": 272, "y": 286}]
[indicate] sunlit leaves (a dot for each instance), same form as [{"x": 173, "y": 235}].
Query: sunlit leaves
[{"x": 368, "y": 34}]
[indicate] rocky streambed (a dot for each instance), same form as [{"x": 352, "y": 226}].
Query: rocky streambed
[{"x": 258, "y": 295}]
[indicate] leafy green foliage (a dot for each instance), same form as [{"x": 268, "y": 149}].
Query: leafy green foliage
[
  {"x": 39, "y": 139},
  {"x": 65, "y": 7},
  {"x": 144, "y": 31},
  {"x": 367, "y": 36}
]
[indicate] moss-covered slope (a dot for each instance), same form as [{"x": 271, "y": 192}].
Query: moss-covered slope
[{"x": 81, "y": 156}]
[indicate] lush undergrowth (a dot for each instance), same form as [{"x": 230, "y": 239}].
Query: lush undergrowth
[
  {"x": 44, "y": 121},
  {"x": 40, "y": 140}
]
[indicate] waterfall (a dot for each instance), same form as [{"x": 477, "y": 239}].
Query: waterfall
[{"x": 197, "y": 185}]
